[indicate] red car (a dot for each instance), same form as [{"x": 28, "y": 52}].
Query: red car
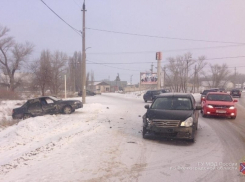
[{"x": 219, "y": 104}]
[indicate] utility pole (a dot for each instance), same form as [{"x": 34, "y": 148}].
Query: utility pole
[
  {"x": 151, "y": 68},
  {"x": 131, "y": 79},
  {"x": 83, "y": 68},
  {"x": 187, "y": 69},
  {"x": 158, "y": 58},
  {"x": 195, "y": 79},
  {"x": 235, "y": 76},
  {"x": 65, "y": 86}
]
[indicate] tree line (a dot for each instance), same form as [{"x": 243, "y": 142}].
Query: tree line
[{"x": 45, "y": 73}]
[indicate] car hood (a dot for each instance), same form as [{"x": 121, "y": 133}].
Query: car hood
[
  {"x": 223, "y": 103},
  {"x": 169, "y": 114}
]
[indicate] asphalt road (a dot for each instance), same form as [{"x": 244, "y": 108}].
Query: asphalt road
[
  {"x": 103, "y": 142},
  {"x": 215, "y": 156}
]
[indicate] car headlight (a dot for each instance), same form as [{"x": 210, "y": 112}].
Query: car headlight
[
  {"x": 148, "y": 121},
  {"x": 210, "y": 106},
  {"x": 232, "y": 107},
  {"x": 76, "y": 102},
  {"x": 188, "y": 122}
]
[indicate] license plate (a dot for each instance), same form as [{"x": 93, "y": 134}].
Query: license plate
[{"x": 220, "y": 111}]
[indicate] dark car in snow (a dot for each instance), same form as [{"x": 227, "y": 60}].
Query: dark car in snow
[
  {"x": 205, "y": 92},
  {"x": 150, "y": 94},
  {"x": 45, "y": 105},
  {"x": 88, "y": 92},
  {"x": 236, "y": 92},
  {"x": 172, "y": 115}
]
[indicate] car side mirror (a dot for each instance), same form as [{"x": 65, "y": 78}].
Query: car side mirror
[
  {"x": 147, "y": 106},
  {"x": 235, "y": 100},
  {"x": 198, "y": 107}
]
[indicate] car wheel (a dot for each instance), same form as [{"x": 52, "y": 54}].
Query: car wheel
[
  {"x": 26, "y": 116},
  {"x": 192, "y": 140},
  {"x": 233, "y": 117},
  {"x": 145, "y": 100},
  {"x": 144, "y": 132},
  {"x": 67, "y": 110},
  {"x": 204, "y": 115}
]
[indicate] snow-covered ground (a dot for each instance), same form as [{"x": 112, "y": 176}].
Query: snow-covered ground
[{"x": 103, "y": 142}]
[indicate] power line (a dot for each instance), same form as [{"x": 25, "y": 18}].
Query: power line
[
  {"x": 235, "y": 57},
  {"x": 162, "y": 37},
  {"x": 77, "y": 31},
  {"x": 112, "y": 66},
  {"x": 173, "y": 50}
]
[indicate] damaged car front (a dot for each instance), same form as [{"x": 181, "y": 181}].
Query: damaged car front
[{"x": 172, "y": 116}]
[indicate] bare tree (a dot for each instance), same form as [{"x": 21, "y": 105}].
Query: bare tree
[
  {"x": 178, "y": 72},
  {"x": 42, "y": 71},
  {"x": 58, "y": 67},
  {"x": 219, "y": 75},
  {"x": 12, "y": 56}
]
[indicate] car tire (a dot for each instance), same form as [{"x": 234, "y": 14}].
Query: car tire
[
  {"x": 145, "y": 100},
  {"x": 233, "y": 117},
  {"x": 67, "y": 110},
  {"x": 26, "y": 116},
  {"x": 144, "y": 132},
  {"x": 204, "y": 115},
  {"x": 192, "y": 140}
]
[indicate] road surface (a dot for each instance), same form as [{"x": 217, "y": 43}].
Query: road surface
[{"x": 103, "y": 142}]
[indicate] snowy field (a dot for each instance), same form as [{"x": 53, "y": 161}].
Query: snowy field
[{"x": 103, "y": 142}]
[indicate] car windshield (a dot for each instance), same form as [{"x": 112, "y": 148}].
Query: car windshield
[
  {"x": 172, "y": 103},
  {"x": 219, "y": 97}
]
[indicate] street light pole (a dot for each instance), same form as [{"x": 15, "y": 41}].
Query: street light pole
[{"x": 83, "y": 58}]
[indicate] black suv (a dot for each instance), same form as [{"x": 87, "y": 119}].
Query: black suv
[
  {"x": 204, "y": 93},
  {"x": 235, "y": 92},
  {"x": 172, "y": 115},
  {"x": 150, "y": 94}
]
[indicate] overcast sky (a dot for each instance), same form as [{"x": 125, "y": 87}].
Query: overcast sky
[{"x": 219, "y": 20}]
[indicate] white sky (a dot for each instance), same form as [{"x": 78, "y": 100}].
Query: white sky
[{"x": 219, "y": 20}]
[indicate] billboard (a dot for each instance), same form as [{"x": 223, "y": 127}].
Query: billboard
[{"x": 148, "y": 78}]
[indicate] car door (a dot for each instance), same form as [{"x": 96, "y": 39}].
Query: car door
[
  {"x": 34, "y": 107},
  {"x": 48, "y": 106}
]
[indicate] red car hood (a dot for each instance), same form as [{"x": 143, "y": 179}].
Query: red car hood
[{"x": 223, "y": 103}]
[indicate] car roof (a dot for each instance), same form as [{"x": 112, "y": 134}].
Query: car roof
[{"x": 174, "y": 95}]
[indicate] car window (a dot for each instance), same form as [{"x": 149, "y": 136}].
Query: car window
[
  {"x": 219, "y": 97},
  {"x": 172, "y": 103},
  {"x": 156, "y": 92},
  {"x": 34, "y": 104},
  {"x": 49, "y": 101}
]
